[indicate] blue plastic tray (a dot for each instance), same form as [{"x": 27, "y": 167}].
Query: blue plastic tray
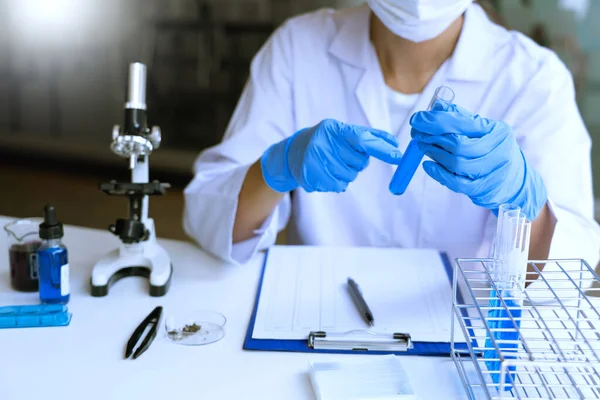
[{"x": 38, "y": 315}]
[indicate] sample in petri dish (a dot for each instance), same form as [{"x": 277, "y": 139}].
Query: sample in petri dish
[{"x": 195, "y": 328}]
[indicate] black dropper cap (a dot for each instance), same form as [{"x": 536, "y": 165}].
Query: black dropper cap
[{"x": 50, "y": 228}]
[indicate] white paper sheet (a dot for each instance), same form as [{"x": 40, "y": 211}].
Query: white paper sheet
[
  {"x": 379, "y": 377},
  {"x": 304, "y": 289}
]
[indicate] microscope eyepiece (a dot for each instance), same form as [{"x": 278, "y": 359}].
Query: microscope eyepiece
[
  {"x": 136, "y": 94},
  {"x": 135, "y": 138}
]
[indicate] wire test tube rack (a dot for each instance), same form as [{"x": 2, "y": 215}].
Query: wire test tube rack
[{"x": 550, "y": 349}]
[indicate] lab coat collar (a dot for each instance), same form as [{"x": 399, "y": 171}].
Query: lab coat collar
[
  {"x": 362, "y": 70},
  {"x": 352, "y": 43},
  {"x": 476, "y": 45}
]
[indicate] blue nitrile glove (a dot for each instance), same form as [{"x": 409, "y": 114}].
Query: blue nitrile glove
[
  {"x": 478, "y": 157},
  {"x": 325, "y": 157}
]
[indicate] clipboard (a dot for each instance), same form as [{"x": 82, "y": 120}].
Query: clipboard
[{"x": 345, "y": 342}]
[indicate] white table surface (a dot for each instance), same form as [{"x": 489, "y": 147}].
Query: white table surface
[{"x": 85, "y": 359}]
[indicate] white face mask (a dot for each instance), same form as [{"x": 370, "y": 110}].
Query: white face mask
[{"x": 418, "y": 20}]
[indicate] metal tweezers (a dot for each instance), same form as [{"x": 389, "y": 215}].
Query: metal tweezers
[{"x": 152, "y": 319}]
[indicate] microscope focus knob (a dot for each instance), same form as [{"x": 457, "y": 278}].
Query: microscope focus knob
[
  {"x": 155, "y": 137},
  {"x": 130, "y": 231}
]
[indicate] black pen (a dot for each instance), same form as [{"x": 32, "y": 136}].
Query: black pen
[{"x": 360, "y": 302}]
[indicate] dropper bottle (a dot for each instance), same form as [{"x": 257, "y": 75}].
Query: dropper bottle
[{"x": 53, "y": 260}]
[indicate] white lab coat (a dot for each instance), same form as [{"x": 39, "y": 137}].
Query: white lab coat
[{"x": 322, "y": 65}]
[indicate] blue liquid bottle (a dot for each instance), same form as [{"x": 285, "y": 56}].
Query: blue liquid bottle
[{"x": 53, "y": 261}]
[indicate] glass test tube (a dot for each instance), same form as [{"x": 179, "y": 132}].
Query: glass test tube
[
  {"x": 505, "y": 211},
  {"x": 500, "y": 250},
  {"x": 516, "y": 237},
  {"x": 510, "y": 263},
  {"x": 411, "y": 159}
]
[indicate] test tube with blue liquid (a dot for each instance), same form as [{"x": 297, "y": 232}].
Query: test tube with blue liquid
[
  {"x": 509, "y": 271},
  {"x": 412, "y": 157}
]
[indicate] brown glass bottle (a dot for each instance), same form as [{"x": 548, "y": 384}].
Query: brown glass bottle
[{"x": 23, "y": 266}]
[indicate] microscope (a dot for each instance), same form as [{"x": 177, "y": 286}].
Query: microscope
[{"x": 139, "y": 254}]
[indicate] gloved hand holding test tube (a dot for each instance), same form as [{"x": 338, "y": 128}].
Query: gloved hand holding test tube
[{"x": 413, "y": 155}]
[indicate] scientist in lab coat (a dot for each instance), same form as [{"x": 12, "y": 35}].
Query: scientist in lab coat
[{"x": 332, "y": 101}]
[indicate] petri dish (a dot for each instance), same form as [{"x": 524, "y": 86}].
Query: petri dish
[{"x": 195, "y": 328}]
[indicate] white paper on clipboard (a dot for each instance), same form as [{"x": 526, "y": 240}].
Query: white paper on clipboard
[{"x": 304, "y": 289}]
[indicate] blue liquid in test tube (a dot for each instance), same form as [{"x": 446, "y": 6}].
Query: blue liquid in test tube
[
  {"x": 511, "y": 337},
  {"x": 412, "y": 156}
]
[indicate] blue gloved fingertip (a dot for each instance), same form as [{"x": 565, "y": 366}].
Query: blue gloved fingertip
[
  {"x": 415, "y": 133},
  {"x": 416, "y": 118},
  {"x": 428, "y": 166}
]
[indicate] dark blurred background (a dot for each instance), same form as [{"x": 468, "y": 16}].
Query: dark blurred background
[{"x": 63, "y": 76}]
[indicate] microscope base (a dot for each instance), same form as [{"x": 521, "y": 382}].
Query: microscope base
[{"x": 146, "y": 259}]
